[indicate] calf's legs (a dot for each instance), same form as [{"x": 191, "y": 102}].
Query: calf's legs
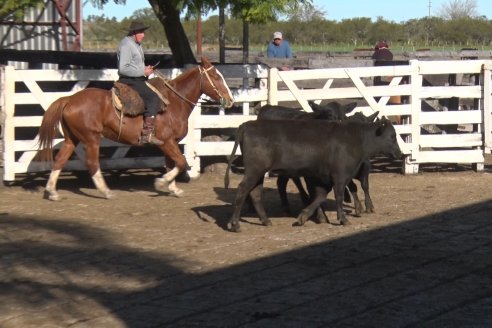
[
  {"x": 339, "y": 188},
  {"x": 357, "y": 204},
  {"x": 319, "y": 196},
  {"x": 255, "y": 194},
  {"x": 363, "y": 177},
  {"x": 252, "y": 185},
  {"x": 282, "y": 181},
  {"x": 319, "y": 190}
]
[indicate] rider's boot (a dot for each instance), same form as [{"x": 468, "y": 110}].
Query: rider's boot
[{"x": 148, "y": 132}]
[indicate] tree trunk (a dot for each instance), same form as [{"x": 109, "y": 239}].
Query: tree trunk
[
  {"x": 199, "y": 40},
  {"x": 245, "y": 49},
  {"x": 168, "y": 15},
  {"x": 245, "y": 41},
  {"x": 221, "y": 35}
]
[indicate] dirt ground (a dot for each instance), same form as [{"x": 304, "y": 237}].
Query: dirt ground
[{"x": 147, "y": 259}]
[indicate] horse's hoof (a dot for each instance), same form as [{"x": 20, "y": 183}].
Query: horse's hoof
[
  {"x": 160, "y": 184},
  {"x": 52, "y": 195},
  {"x": 178, "y": 192},
  {"x": 267, "y": 223},
  {"x": 110, "y": 195},
  {"x": 54, "y": 198}
]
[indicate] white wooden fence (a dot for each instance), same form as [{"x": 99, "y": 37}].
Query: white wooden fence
[{"x": 27, "y": 93}]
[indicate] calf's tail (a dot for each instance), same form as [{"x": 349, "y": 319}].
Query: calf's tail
[{"x": 233, "y": 157}]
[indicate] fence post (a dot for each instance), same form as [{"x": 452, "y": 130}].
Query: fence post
[
  {"x": 7, "y": 118},
  {"x": 410, "y": 166},
  {"x": 487, "y": 107},
  {"x": 191, "y": 141},
  {"x": 2, "y": 117},
  {"x": 273, "y": 86}
]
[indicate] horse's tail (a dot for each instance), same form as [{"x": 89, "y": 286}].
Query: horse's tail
[
  {"x": 232, "y": 158},
  {"x": 49, "y": 128}
]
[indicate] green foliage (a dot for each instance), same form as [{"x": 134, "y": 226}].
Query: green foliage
[
  {"x": 14, "y": 9},
  {"x": 100, "y": 3},
  {"x": 261, "y": 11},
  {"x": 105, "y": 32},
  {"x": 382, "y": 29},
  {"x": 316, "y": 34}
]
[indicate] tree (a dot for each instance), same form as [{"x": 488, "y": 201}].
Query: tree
[
  {"x": 261, "y": 11},
  {"x": 458, "y": 9},
  {"x": 356, "y": 29},
  {"x": 168, "y": 14},
  {"x": 14, "y": 9},
  {"x": 306, "y": 14},
  {"x": 385, "y": 30}
]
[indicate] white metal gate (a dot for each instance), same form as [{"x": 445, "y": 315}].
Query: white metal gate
[{"x": 25, "y": 96}]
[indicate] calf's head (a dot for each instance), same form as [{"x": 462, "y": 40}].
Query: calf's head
[
  {"x": 359, "y": 117},
  {"x": 386, "y": 139},
  {"x": 333, "y": 111}
]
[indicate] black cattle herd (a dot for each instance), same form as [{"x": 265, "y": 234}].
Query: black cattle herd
[{"x": 326, "y": 147}]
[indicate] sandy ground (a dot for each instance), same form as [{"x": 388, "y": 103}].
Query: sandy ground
[{"x": 147, "y": 259}]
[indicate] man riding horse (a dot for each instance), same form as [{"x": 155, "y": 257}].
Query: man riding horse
[{"x": 133, "y": 72}]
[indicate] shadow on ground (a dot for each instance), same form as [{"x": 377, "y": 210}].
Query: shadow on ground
[{"x": 433, "y": 271}]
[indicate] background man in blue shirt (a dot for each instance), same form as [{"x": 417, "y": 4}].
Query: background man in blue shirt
[{"x": 279, "y": 48}]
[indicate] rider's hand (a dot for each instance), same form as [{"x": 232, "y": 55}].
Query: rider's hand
[{"x": 148, "y": 70}]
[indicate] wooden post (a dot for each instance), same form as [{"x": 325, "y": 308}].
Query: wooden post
[
  {"x": 221, "y": 35},
  {"x": 199, "y": 33},
  {"x": 245, "y": 41},
  {"x": 245, "y": 50}
]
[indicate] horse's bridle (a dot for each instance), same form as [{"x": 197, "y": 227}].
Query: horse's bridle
[
  {"x": 205, "y": 71},
  {"x": 202, "y": 72}
]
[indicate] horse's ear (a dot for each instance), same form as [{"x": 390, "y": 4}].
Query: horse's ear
[{"x": 205, "y": 62}]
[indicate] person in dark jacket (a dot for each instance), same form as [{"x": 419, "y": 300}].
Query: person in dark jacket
[
  {"x": 381, "y": 56},
  {"x": 382, "y": 52}
]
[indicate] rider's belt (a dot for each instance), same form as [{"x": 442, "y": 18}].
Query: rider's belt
[{"x": 138, "y": 78}]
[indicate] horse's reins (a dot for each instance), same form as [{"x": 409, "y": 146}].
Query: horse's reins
[
  {"x": 167, "y": 84},
  {"x": 202, "y": 71}
]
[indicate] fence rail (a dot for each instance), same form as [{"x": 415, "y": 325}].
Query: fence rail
[{"x": 442, "y": 122}]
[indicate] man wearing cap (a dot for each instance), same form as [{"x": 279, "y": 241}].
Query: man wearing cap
[
  {"x": 278, "y": 48},
  {"x": 133, "y": 72}
]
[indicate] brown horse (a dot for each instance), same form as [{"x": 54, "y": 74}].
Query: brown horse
[{"x": 88, "y": 115}]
